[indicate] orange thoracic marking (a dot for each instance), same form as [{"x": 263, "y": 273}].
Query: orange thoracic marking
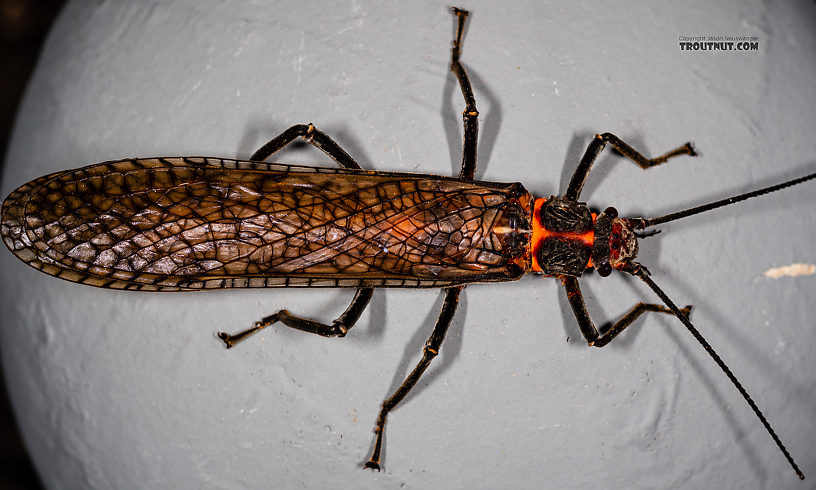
[
  {"x": 202, "y": 223},
  {"x": 540, "y": 233}
]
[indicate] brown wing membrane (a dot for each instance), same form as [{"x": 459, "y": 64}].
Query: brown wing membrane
[{"x": 203, "y": 223}]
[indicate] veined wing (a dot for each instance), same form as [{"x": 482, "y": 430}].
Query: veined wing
[{"x": 205, "y": 223}]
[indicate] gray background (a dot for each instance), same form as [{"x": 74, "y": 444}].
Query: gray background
[{"x": 132, "y": 390}]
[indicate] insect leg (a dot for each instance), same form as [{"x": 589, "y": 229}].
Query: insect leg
[
  {"x": 431, "y": 349},
  {"x": 470, "y": 116},
  {"x": 588, "y": 329},
  {"x": 344, "y": 322},
  {"x": 311, "y": 135},
  {"x": 338, "y": 327},
  {"x": 597, "y": 145},
  {"x": 428, "y": 353}
]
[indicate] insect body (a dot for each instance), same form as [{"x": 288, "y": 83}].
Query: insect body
[{"x": 167, "y": 224}]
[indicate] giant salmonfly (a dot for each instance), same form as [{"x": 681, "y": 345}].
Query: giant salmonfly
[{"x": 193, "y": 223}]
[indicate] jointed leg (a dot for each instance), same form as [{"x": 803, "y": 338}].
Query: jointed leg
[
  {"x": 344, "y": 322},
  {"x": 311, "y": 135},
  {"x": 588, "y": 329},
  {"x": 338, "y": 327},
  {"x": 470, "y": 116},
  {"x": 428, "y": 353},
  {"x": 431, "y": 349},
  {"x": 597, "y": 145}
]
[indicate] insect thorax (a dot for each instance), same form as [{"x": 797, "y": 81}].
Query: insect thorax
[{"x": 563, "y": 236}]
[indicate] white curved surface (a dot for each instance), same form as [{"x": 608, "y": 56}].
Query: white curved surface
[{"x": 132, "y": 390}]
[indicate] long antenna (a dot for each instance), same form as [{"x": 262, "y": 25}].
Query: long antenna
[
  {"x": 639, "y": 224},
  {"x": 641, "y": 272}
]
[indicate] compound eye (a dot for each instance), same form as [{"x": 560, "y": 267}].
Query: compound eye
[
  {"x": 611, "y": 212},
  {"x": 604, "y": 269}
]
